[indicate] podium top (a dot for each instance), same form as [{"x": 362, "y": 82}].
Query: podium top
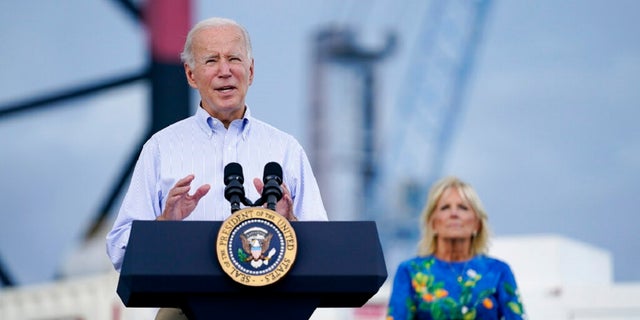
[{"x": 339, "y": 263}]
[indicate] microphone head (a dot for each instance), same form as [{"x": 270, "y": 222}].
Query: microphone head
[
  {"x": 233, "y": 171},
  {"x": 272, "y": 170}
]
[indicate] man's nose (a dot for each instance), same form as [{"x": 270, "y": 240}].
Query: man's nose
[{"x": 225, "y": 68}]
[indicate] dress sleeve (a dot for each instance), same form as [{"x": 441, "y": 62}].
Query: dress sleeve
[
  {"x": 401, "y": 305},
  {"x": 509, "y": 301}
]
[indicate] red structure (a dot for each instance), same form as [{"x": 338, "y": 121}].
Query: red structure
[{"x": 167, "y": 23}]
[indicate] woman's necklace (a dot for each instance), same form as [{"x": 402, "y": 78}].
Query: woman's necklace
[{"x": 458, "y": 274}]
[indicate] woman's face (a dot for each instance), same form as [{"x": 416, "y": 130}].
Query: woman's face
[{"x": 454, "y": 218}]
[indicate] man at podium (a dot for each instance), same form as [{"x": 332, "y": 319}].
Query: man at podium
[{"x": 179, "y": 173}]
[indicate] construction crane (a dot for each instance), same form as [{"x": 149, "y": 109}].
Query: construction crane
[
  {"x": 392, "y": 175},
  {"x": 431, "y": 103}
]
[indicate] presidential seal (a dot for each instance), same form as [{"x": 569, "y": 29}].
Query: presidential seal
[{"x": 256, "y": 246}]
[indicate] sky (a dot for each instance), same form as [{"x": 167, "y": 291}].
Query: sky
[{"x": 548, "y": 136}]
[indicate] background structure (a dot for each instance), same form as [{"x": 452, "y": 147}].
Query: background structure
[{"x": 547, "y": 133}]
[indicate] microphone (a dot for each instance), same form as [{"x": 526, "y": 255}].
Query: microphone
[
  {"x": 233, "y": 180},
  {"x": 272, "y": 178}
]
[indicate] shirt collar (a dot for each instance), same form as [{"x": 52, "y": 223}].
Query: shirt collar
[{"x": 210, "y": 124}]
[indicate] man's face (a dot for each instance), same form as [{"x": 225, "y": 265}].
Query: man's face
[{"x": 222, "y": 72}]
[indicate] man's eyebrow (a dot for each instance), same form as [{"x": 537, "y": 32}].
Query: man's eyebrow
[{"x": 209, "y": 56}]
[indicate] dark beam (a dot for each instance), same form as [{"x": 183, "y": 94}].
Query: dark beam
[
  {"x": 119, "y": 185},
  {"x": 131, "y": 9},
  {"x": 5, "y": 278},
  {"x": 15, "y": 108}
]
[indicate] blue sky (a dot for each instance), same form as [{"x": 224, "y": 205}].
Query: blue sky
[{"x": 549, "y": 135}]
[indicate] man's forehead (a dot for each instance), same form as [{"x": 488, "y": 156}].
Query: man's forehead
[
  {"x": 219, "y": 42},
  {"x": 228, "y": 32}
]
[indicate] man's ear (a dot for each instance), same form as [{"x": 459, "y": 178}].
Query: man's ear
[
  {"x": 251, "y": 72},
  {"x": 189, "y": 74}
]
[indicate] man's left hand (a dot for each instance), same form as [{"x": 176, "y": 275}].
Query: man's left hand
[{"x": 285, "y": 205}]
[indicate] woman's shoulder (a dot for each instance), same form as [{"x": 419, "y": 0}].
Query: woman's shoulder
[
  {"x": 493, "y": 262},
  {"x": 416, "y": 260}
]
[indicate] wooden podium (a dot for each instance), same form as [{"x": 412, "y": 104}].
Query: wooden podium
[{"x": 174, "y": 264}]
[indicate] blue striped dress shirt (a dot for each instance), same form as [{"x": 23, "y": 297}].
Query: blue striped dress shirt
[{"x": 202, "y": 146}]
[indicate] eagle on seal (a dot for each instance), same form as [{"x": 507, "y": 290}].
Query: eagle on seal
[{"x": 256, "y": 248}]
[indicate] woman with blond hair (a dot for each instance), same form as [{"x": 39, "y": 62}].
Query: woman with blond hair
[{"x": 452, "y": 277}]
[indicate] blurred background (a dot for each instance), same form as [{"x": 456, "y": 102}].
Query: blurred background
[{"x": 534, "y": 103}]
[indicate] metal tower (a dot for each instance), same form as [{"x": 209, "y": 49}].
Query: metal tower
[
  {"x": 352, "y": 122},
  {"x": 167, "y": 23}
]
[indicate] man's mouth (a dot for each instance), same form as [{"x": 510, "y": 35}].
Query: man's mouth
[{"x": 225, "y": 88}]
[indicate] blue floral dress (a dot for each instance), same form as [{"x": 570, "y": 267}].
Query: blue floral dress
[{"x": 429, "y": 288}]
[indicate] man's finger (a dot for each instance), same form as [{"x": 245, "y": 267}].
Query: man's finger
[
  {"x": 185, "y": 181},
  {"x": 179, "y": 191},
  {"x": 258, "y": 184},
  {"x": 285, "y": 190},
  {"x": 204, "y": 189}
]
